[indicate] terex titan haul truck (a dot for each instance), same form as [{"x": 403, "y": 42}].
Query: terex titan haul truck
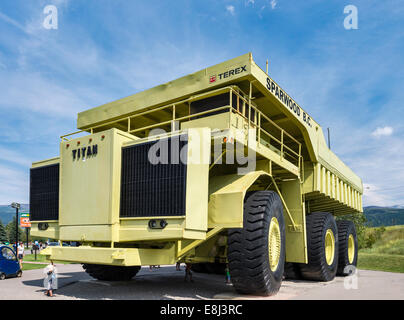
[{"x": 218, "y": 167}]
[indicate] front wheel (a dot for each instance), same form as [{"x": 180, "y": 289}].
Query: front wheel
[{"x": 256, "y": 253}]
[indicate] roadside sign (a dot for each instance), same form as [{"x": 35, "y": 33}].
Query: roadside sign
[{"x": 24, "y": 220}]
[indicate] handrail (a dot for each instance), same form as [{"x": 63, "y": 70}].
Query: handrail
[
  {"x": 268, "y": 119},
  {"x": 182, "y": 118},
  {"x": 257, "y": 121}
]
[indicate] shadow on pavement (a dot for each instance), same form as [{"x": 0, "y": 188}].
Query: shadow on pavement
[
  {"x": 64, "y": 279},
  {"x": 163, "y": 284}
]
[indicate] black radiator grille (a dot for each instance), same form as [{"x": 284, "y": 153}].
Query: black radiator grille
[
  {"x": 44, "y": 193},
  {"x": 150, "y": 190}
]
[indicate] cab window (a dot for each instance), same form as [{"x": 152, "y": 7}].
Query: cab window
[{"x": 8, "y": 254}]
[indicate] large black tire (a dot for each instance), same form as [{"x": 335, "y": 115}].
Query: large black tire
[
  {"x": 248, "y": 248},
  {"x": 345, "y": 230},
  {"x": 111, "y": 273},
  {"x": 318, "y": 269},
  {"x": 292, "y": 271}
]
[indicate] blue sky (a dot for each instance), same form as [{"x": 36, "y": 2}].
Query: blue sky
[{"x": 349, "y": 80}]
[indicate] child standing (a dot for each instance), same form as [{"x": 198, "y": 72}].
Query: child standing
[
  {"x": 227, "y": 271},
  {"x": 188, "y": 272},
  {"x": 50, "y": 281}
]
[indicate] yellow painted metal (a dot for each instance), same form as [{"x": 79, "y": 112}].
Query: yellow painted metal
[
  {"x": 113, "y": 256},
  {"x": 137, "y": 229},
  {"x": 295, "y": 221},
  {"x": 329, "y": 247},
  {"x": 51, "y": 233},
  {"x": 90, "y": 187},
  {"x": 328, "y": 190},
  {"x": 218, "y": 121},
  {"x": 212, "y": 250},
  {"x": 196, "y": 243},
  {"x": 351, "y": 248},
  {"x": 227, "y": 197},
  {"x": 197, "y": 179},
  {"x": 274, "y": 244},
  {"x": 45, "y": 163}
]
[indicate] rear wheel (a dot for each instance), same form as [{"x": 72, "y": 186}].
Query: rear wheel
[
  {"x": 111, "y": 273},
  {"x": 322, "y": 247},
  {"x": 348, "y": 247},
  {"x": 19, "y": 274},
  {"x": 2, "y": 276},
  {"x": 256, "y": 253}
]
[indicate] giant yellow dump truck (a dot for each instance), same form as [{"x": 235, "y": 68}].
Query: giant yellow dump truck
[{"x": 220, "y": 167}]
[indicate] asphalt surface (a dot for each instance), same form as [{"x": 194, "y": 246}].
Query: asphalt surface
[{"x": 166, "y": 283}]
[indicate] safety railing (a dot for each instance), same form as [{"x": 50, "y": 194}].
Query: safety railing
[{"x": 268, "y": 133}]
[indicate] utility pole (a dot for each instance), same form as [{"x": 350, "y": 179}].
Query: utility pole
[
  {"x": 329, "y": 142},
  {"x": 17, "y": 206}
]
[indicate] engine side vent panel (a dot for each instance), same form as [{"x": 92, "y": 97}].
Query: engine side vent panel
[
  {"x": 44, "y": 193},
  {"x": 151, "y": 190}
]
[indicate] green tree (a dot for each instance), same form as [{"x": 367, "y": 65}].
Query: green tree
[
  {"x": 10, "y": 229},
  {"x": 3, "y": 233},
  {"x": 373, "y": 235}
]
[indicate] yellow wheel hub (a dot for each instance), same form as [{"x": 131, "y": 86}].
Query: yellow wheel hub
[
  {"x": 351, "y": 248},
  {"x": 329, "y": 247},
  {"x": 274, "y": 244}
]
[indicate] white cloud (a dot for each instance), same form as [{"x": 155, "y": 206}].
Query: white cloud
[
  {"x": 230, "y": 9},
  {"x": 33, "y": 92},
  {"x": 385, "y": 131},
  {"x": 373, "y": 196},
  {"x": 14, "y": 185},
  {"x": 13, "y": 22},
  {"x": 13, "y": 157},
  {"x": 273, "y": 4}
]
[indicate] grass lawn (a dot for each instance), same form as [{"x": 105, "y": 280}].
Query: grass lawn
[
  {"x": 41, "y": 258},
  {"x": 381, "y": 262},
  {"x": 391, "y": 242},
  {"x": 32, "y": 266},
  {"x": 387, "y": 253}
]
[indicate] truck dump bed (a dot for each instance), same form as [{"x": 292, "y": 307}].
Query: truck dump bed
[{"x": 328, "y": 184}]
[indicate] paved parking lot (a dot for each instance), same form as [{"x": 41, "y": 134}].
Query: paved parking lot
[{"x": 167, "y": 283}]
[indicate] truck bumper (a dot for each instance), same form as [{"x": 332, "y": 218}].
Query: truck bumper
[{"x": 112, "y": 256}]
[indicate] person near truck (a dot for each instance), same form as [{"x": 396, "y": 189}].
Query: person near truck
[
  {"x": 188, "y": 272},
  {"x": 20, "y": 253},
  {"x": 50, "y": 281}
]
